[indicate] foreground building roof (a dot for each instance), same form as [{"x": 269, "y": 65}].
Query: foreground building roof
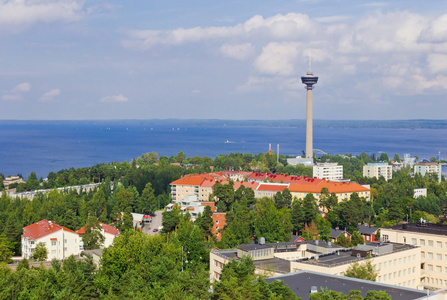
[
  {"x": 302, "y": 282},
  {"x": 42, "y": 228}
]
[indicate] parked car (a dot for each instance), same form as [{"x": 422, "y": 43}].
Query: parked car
[{"x": 155, "y": 230}]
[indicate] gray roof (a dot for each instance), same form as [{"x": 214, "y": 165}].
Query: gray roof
[
  {"x": 336, "y": 232},
  {"x": 367, "y": 230},
  {"x": 250, "y": 247},
  {"x": 428, "y": 228},
  {"x": 301, "y": 282}
]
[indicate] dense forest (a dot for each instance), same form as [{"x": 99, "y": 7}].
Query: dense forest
[{"x": 142, "y": 186}]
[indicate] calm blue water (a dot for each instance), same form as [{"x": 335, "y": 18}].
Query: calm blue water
[{"x": 50, "y": 146}]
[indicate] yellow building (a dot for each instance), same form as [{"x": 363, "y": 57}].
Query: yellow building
[
  {"x": 396, "y": 264},
  {"x": 378, "y": 169},
  {"x": 432, "y": 242}
]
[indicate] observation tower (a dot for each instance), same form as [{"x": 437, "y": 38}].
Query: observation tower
[{"x": 309, "y": 80}]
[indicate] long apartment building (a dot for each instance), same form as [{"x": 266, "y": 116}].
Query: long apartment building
[
  {"x": 396, "y": 264},
  {"x": 431, "y": 239},
  {"x": 264, "y": 185}
]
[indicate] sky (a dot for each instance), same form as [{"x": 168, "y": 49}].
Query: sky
[{"x": 138, "y": 59}]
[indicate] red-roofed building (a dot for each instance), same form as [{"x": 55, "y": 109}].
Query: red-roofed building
[
  {"x": 60, "y": 241},
  {"x": 109, "y": 233},
  {"x": 189, "y": 185},
  {"x": 269, "y": 189},
  {"x": 342, "y": 190}
]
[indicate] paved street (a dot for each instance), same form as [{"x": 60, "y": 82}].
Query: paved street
[{"x": 156, "y": 222}]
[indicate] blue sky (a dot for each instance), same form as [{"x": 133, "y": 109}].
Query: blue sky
[{"x": 70, "y": 59}]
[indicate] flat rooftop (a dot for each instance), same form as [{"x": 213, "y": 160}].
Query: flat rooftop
[
  {"x": 429, "y": 228},
  {"x": 301, "y": 282},
  {"x": 277, "y": 265},
  {"x": 345, "y": 256}
]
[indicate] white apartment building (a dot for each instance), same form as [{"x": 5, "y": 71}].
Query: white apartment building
[
  {"x": 378, "y": 169},
  {"x": 432, "y": 242},
  {"x": 418, "y": 192},
  {"x": 60, "y": 241},
  {"x": 424, "y": 168},
  {"x": 108, "y": 232},
  {"x": 328, "y": 171}
]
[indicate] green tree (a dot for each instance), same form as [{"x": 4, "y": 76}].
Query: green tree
[
  {"x": 361, "y": 271},
  {"x": 324, "y": 228},
  {"x": 310, "y": 208},
  {"x": 205, "y": 221},
  {"x": 297, "y": 216},
  {"x": 6, "y": 249},
  {"x": 147, "y": 203},
  {"x": 40, "y": 252},
  {"x": 127, "y": 221},
  {"x": 377, "y": 295},
  {"x": 171, "y": 219},
  {"x": 92, "y": 238},
  {"x": 342, "y": 240},
  {"x": 272, "y": 223},
  {"x": 356, "y": 238},
  {"x": 310, "y": 232}
]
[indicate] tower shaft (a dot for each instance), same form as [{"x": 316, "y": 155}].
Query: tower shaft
[
  {"x": 309, "y": 124},
  {"x": 309, "y": 80}
]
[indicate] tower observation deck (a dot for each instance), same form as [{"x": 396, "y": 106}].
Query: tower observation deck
[{"x": 309, "y": 80}]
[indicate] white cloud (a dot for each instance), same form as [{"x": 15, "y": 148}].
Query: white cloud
[
  {"x": 277, "y": 58},
  {"x": 437, "y": 63},
  {"x": 287, "y": 26},
  {"x": 49, "y": 96},
  {"x": 18, "y": 14},
  {"x": 116, "y": 98},
  {"x": 238, "y": 51},
  {"x": 16, "y": 93},
  {"x": 21, "y": 88},
  {"x": 436, "y": 31}
]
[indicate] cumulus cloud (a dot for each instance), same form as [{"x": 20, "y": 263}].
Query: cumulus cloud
[
  {"x": 287, "y": 26},
  {"x": 277, "y": 58},
  {"x": 115, "y": 99},
  {"x": 238, "y": 51},
  {"x": 18, "y": 14},
  {"x": 49, "y": 96},
  {"x": 16, "y": 93},
  {"x": 401, "y": 52}
]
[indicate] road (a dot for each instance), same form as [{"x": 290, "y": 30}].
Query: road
[{"x": 156, "y": 222}]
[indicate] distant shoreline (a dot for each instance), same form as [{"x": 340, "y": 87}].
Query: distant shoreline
[{"x": 394, "y": 124}]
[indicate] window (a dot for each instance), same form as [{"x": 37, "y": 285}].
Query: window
[
  {"x": 32, "y": 242},
  {"x": 430, "y": 243},
  {"x": 385, "y": 238},
  {"x": 65, "y": 249},
  {"x": 438, "y": 244},
  {"x": 438, "y": 269},
  {"x": 430, "y": 267},
  {"x": 422, "y": 242},
  {"x": 438, "y": 256},
  {"x": 53, "y": 252},
  {"x": 430, "y": 255},
  {"x": 53, "y": 243},
  {"x": 400, "y": 261},
  {"x": 65, "y": 241}
]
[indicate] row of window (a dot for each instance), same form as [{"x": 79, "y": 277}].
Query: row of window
[
  {"x": 436, "y": 269},
  {"x": 438, "y": 256},
  {"x": 397, "y": 274},
  {"x": 396, "y": 261},
  {"x": 430, "y": 243},
  {"x": 434, "y": 281},
  {"x": 408, "y": 283}
]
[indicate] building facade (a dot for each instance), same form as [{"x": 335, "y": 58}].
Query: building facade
[
  {"x": 431, "y": 240},
  {"x": 328, "y": 171},
  {"x": 424, "y": 168},
  {"x": 378, "y": 169},
  {"x": 60, "y": 241}
]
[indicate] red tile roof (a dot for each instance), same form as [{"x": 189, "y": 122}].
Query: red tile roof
[
  {"x": 196, "y": 179},
  {"x": 332, "y": 186},
  {"x": 42, "y": 228},
  {"x": 272, "y": 187},
  {"x": 107, "y": 228},
  {"x": 284, "y": 178}
]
